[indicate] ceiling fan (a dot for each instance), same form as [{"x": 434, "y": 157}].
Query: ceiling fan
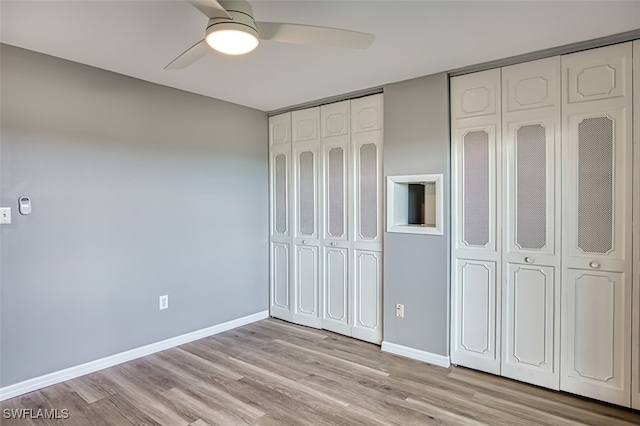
[{"x": 232, "y": 30}]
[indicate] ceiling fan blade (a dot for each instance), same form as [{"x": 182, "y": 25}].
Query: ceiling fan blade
[
  {"x": 211, "y": 8},
  {"x": 312, "y": 35},
  {"x": 191, "y": 55}
]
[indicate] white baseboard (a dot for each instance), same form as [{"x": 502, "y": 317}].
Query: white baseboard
[
  {"x": 99, "y": 364},
  {"x": 439, "y": 360}
]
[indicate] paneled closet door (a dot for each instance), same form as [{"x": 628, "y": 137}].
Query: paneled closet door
[
  {"x": 367, "y": 119},
  {"x": 336, "y": 247},
  {"x": 531, "y": 216},
  {"x": 280, "y": 240},
  {"x": 306, "y": 239},
  {"x": 597, "y": 209},
  {"x": 476, "y": 237},
  {"x": 635, "y": 350}
]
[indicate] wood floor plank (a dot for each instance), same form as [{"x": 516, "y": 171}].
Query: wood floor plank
[
  {"x": 275, "y": 373},
  {"x": 510, "y": 389},
  {"x": 117, "y": 410},
  {"x": 261, "y": 357},
  {"x": 287, "y": 407},
  {"x": 148, "y": 401},
  {"x": 523, "y": 411},
  {"x": 208, "y": 390},
  {"x": 333, "y": 359},
  {"x": 198, "y": 364},
  {"x": 88, "y": 390},
  {"x": 444, "y": 415},
  {"x": 466, "y": 407},
  {"x": 291, "y": 384},
  {"x": 208, "y": 412},
  {"x": 364, "y": 401}
]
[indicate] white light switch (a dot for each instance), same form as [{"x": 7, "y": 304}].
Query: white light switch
[{"x": 5, "y": 215}]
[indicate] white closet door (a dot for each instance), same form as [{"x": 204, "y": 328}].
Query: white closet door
[
  {"x": 306, "y": 238},
  {"x": 367, "y": 136},
  {"x": 336, "y": 248},
  {"x": 476, "y": 239},
  {"x": 635, "y": 351},
  {"x": 280, "y": 241},
  {"x": 531, "y": 217},
  {"x": 596, "y": 293}
]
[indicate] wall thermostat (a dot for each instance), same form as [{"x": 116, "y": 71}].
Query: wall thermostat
[{"x": 24, "y": 205}]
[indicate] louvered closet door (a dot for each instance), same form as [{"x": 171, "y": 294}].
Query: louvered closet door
[
  {"x": 336, "y": 247},
  {"x": 367, "y": 136},
  {"x": 280, "y": 241},
  {"x": 475, "y": 331},
  {"x": 596, "y": 295},
  {"x": 306, "y": 241},
  {"x": 531, "y": 217},
  {"x": 635, "y": 350}
]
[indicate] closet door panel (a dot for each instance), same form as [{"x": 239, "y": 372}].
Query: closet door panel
[
  {"x": 336, "y": 290},
  {"x": 367, "y": 136},
  {"x": 532, "y": 85},
  {"x": 476, "y": 95},
  {"x": 280, "y": 161},
  {"x": 306, "y": 192},
  {"x": 531, "y": 148},
  {"x": 531, "y": 218},
  {"x": 306, "y": 125},
  {"x": 475, "y": 280},
  {"x": 476, "y": 191},
  {"x": 366, "y": 233},
  {"x": 335, "y": 159},
  {"x": 598, "y": 74},
  {"x": 280, "y": 234},
  {"x": 529, "y": 339},
  {"x": 597, "y": 210},
  {"x": 280, "y": 282},
  {"x": 598, "y": 149},
  {"x": 367, "y": 324},
  {"x": 307, "y": 280},
  {"x": 368, "y": 189},
  {"x": 335, "y": 123},
  {"x": 531, "y": 190},
  {"x": 475, "y": 309},
  {"x": 280, "y": 129},
  {"x": 306, "y": 211},
  {"x": 597, "y": 350},
  {"x": 335, "y": 120},
  {"x": 635, "y": 347},
  {"x": 476, "y": 234},
  {"x": 367, "y": 114}
]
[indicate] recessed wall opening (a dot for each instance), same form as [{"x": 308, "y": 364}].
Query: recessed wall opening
[
  {"x": 414, "y": 204},
  {"x": 421, "y": 208}
]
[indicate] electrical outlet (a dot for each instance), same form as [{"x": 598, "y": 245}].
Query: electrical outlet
[
  {"x": 164, "y": 302},
  {"x": 400, "y": 310},
  {"x": 5, "y": 215}
]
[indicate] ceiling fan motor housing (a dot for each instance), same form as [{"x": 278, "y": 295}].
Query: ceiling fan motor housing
[{"x": 242, "y": 18}]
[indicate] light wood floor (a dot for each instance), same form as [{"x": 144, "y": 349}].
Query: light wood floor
[{"x": 273, "y": 373}]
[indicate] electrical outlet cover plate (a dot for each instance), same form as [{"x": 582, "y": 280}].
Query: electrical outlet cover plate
[{"x": 164, "y": 302}]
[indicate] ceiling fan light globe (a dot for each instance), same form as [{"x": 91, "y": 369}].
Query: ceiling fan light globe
[{"x": 232, "y": 41}]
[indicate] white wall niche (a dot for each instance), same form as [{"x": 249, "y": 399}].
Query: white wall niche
[{"x": 414, "y": 204}]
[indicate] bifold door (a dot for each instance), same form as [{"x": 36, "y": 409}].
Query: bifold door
[{"x": 597, "y": 209}]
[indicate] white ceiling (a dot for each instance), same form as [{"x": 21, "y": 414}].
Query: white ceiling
[{"x": 413, "y": 38}]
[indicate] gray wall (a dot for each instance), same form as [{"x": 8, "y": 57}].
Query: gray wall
[
  {"x": 416, "y": 267},
  {"x": 138, "y": 190}
]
